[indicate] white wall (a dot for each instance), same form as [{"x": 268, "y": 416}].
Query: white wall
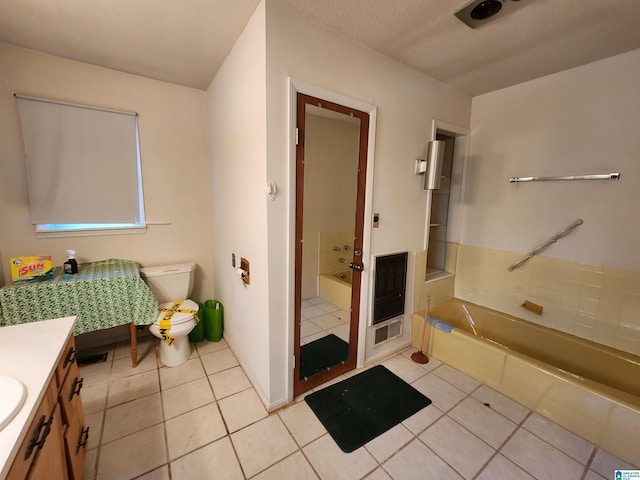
[
  {"x": 407, "y": 102},
  {"x": 237, "y": 132},
  {"x": 175, "y": 170},
  {"x": 580, "y": 121}
]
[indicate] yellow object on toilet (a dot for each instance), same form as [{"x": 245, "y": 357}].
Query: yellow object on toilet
[{"x": 165, "y": 321}]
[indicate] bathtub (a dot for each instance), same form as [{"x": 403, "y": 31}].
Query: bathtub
[
  {"x": 590, "y": 389},
  {"x": 336, "y": 288}
]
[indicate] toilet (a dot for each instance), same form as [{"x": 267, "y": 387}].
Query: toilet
[{"x": 172, "y": 285}]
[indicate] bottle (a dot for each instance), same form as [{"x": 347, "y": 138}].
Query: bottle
[{"x": 71, "y": 265}]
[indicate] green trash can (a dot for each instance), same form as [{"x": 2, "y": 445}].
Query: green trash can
[
  {"x": 197, "y": 334},
  {"x": 213, "y": 320}
]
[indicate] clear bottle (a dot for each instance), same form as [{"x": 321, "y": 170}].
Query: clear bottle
[{"x": 71, "y": 265}]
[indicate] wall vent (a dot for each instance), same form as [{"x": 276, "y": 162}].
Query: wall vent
[{"x": 385, "y": 332}]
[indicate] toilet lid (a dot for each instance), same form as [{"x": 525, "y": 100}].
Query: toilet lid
[{"x": 178, "y": 317}]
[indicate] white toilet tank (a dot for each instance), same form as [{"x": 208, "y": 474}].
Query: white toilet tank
[{"x": 169, "y": 283}]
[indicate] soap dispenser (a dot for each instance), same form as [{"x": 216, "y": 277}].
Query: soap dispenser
[{"x": 71, "y": 265}]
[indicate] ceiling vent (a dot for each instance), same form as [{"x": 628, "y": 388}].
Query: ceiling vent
[{"x": 479, "y": 12}]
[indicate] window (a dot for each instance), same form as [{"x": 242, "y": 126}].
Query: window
[{"x": 83, "y": 167}]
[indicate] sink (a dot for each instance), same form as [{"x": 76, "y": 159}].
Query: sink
[{"x": 12, "y": 396}]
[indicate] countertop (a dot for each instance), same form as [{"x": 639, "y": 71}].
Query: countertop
[{"x": 30, "y": 353}]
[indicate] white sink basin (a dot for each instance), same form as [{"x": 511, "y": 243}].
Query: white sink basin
[{"x": 12, "y": 396}]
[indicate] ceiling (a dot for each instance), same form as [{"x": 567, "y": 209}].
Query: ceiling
[{"x": 186, "y": 41}]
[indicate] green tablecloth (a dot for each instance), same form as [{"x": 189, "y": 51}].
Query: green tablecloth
[{"x": 102, "y": 295}]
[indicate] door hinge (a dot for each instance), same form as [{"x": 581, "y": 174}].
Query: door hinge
[
  {"x": 296, "y": 136},
  {"x": 294, "y": 361}
]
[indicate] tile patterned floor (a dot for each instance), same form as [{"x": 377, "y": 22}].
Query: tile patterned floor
[
  {"x": 204, "y": 420},
  {"x": 320, "y": 318}
]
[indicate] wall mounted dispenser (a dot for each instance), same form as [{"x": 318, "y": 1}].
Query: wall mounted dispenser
[{"x": 435, "y": 156}]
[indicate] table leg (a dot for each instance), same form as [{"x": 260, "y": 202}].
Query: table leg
[{"x": 134, "y": 345}]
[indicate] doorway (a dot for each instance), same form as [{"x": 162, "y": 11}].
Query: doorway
[{"x": 331, "y": 168}]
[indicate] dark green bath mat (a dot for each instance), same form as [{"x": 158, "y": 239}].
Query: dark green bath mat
[
  {"x": 356, "y": 410},
  {"x": 322, "y": 353}
]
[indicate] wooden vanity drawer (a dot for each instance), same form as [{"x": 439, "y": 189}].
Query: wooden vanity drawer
[
  {"x": 67, "y": 359},
  {"x": 70, "y": 393},
  {"x": 27, "y": 452},
  {"x": 51, "y": 462},
  {"x": 76, "y": 439}
]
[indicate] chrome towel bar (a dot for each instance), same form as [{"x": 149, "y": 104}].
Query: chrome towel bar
[
  {"x": 606, "y": 176},
  {"x": 542, "y": 246}
]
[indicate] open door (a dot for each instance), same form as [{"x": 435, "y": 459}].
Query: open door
[{"x": 331, "y": 166}]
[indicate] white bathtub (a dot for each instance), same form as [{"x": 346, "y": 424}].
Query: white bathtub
[
  {"x": 336, "y": 288},
  {"x": 590, "y": 389}
]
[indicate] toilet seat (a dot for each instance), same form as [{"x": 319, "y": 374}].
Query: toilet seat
[{"x": 178, "y": 317}]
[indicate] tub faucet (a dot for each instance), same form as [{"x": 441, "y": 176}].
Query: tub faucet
[{"x": 343, "y": 260}]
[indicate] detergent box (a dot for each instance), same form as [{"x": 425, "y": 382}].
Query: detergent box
[{"x": 31, "y": 269}]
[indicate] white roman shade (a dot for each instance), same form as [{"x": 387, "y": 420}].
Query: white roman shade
[{"x": 82, "y": 163}]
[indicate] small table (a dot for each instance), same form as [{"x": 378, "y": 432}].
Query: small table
[{"x": 102, "y": 295}]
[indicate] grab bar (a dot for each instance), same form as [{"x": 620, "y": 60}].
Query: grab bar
[
  {"x": 606, "y": 176},
  {"x": 542, "y": 246}
]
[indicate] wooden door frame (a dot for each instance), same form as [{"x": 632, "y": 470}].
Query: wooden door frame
[{"x": 361, "y": 324}]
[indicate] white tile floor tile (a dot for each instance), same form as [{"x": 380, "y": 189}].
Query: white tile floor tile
[
  {"x": 192, "y": 430},
  {"x": 185, "y": 430},
  {"x": 242, "y": 409},
  {"x": 331, "y": 463},
  {"x": 185, "y": 397},
  {"x": 263, "y": 444},
  {"x": 457, "y": 446}
]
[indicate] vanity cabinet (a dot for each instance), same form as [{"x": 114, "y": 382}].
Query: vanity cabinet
[{"x": 55, "y": 444}]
